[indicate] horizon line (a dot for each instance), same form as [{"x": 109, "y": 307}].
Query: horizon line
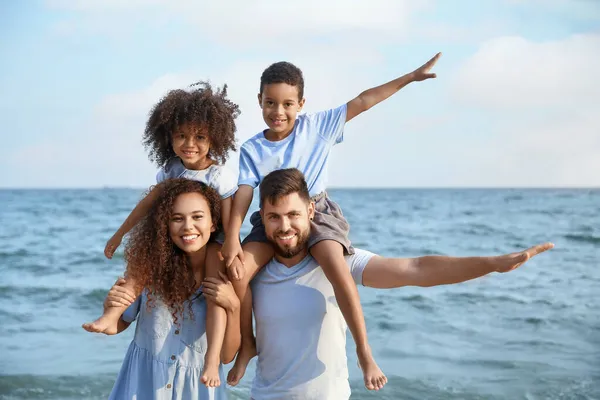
[{"x": 329, "y": 188}]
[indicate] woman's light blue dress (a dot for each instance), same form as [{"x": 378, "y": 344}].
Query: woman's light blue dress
[{"x": 165, "y": 360}]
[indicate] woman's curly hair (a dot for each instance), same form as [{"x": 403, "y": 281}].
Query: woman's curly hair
[
  {"x": 202, "y": 106},
  {"x": 154, "y": 262}
]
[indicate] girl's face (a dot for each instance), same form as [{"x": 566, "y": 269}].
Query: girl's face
[
  {"x": 191, "y": 224},
  {"x": 191, "y": 144}
]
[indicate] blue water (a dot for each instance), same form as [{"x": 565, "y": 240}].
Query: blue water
[{"x": 530, "y": 334}]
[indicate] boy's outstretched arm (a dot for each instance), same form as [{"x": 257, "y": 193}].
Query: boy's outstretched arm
[
  {"x": 241, "y": 202},
  {"x": 376, "y": 95},
  {"x": 134, "y": 217}
]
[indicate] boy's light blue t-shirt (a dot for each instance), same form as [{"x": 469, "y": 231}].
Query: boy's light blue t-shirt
[{"x": 307, "y": 148}]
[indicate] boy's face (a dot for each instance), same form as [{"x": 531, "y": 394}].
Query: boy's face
[
  {"x": 191, "y": 144},
  {"x": 280, "y": 106}
]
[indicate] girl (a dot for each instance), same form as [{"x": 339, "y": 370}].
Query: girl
[{"x": 188, "y": 135}]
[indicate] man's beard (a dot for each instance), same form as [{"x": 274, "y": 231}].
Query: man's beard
[{"x": 289, "y": 252}]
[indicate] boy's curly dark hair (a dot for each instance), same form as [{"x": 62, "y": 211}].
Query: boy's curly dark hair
[
  {"x": 201, "y": 105},
  {"x": 154, "y": 262},
  {"x": 283, "y": 72}
]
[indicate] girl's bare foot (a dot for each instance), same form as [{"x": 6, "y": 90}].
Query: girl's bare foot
[
  {"x": 247, "y": 352},
  {"x": 210, "y": 373},
  {"x": 374, "y": 378},
  {"x": 106, "y": 324}
]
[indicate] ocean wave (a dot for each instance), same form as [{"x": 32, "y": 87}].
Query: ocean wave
[
  {"x": 16, "y": 253},
  {"x": 583, "y": 238},
  {"x": 476, "y": 298},
  {"x": 417, "y": 389},
  {"x": 19, "y": 318},
  {"x": 93, "y": 299},
  {"x": 513, "y": 197},
  {"x": 530, "y": 320},
  {"x": 36, "y": 294},
  {"x": 96, "y": 386}
]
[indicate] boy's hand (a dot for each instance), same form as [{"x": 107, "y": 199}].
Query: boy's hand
[
  {"x": 422, "y": 73},
  {"x": 230, "y": 250},
  {"x": 118, "y": 295},
  {"x": 111, "y": 246}
]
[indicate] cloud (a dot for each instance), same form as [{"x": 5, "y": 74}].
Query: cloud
[
  {"x": 237, "y": 22},
  {"x": 539, "y": 102},
  {"x": 516, "y": 73}
]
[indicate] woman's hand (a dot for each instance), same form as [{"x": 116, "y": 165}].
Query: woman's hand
[
  {"x": 220, "y": 291},
  {"x": 119, "y": 296}
]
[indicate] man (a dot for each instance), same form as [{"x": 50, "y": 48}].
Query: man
[{"x": 300, "y": 331}]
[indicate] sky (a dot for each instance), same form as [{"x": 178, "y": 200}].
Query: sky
[{"x": 516, "y": 101}]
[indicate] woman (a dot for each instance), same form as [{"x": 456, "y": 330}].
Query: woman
[{"x": 166, "y": 255}]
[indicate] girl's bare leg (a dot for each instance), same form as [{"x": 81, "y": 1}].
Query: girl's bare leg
[
  {"x": 109, "y": 320},
  {"x": 216, "y": 322}
]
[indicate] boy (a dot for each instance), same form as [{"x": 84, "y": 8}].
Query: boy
[{"x": 303, "y": 142}]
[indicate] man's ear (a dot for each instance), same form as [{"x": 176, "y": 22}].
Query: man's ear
[{"x": 311, "y": 210}]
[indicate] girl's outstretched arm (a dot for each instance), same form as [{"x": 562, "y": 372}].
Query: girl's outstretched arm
[{"x": 140, "y": 210}]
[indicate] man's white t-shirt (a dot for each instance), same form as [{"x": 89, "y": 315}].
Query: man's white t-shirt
[{"x": 300, "y": 332}]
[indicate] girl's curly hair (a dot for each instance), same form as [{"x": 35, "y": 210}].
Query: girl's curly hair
[
  {"x": 202, "y": 106},
  {"x": 154, "y": 262}
]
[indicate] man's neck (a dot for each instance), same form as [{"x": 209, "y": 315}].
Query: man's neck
[{"x": 292, "y": 261}]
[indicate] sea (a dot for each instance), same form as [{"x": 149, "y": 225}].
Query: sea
[{"x": 533, "y": 333}]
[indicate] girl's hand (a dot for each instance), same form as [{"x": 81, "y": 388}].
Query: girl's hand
[
  {"x": 119, "y": 296},
  {"x": 236, "y": 270},
  {"x": 220, "y": 291},
  {"x": 112, "y": 245},
  {"x": 231, "y": 250}
]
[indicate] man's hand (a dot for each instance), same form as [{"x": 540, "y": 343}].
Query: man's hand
[
  {"x": 220, "y": 291},
  {"x": 111, "y": 246},
  {"x": 422, "y": 73},
  {"x": 508, "y": 262},
  {"x": 118, "y": 295}
]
